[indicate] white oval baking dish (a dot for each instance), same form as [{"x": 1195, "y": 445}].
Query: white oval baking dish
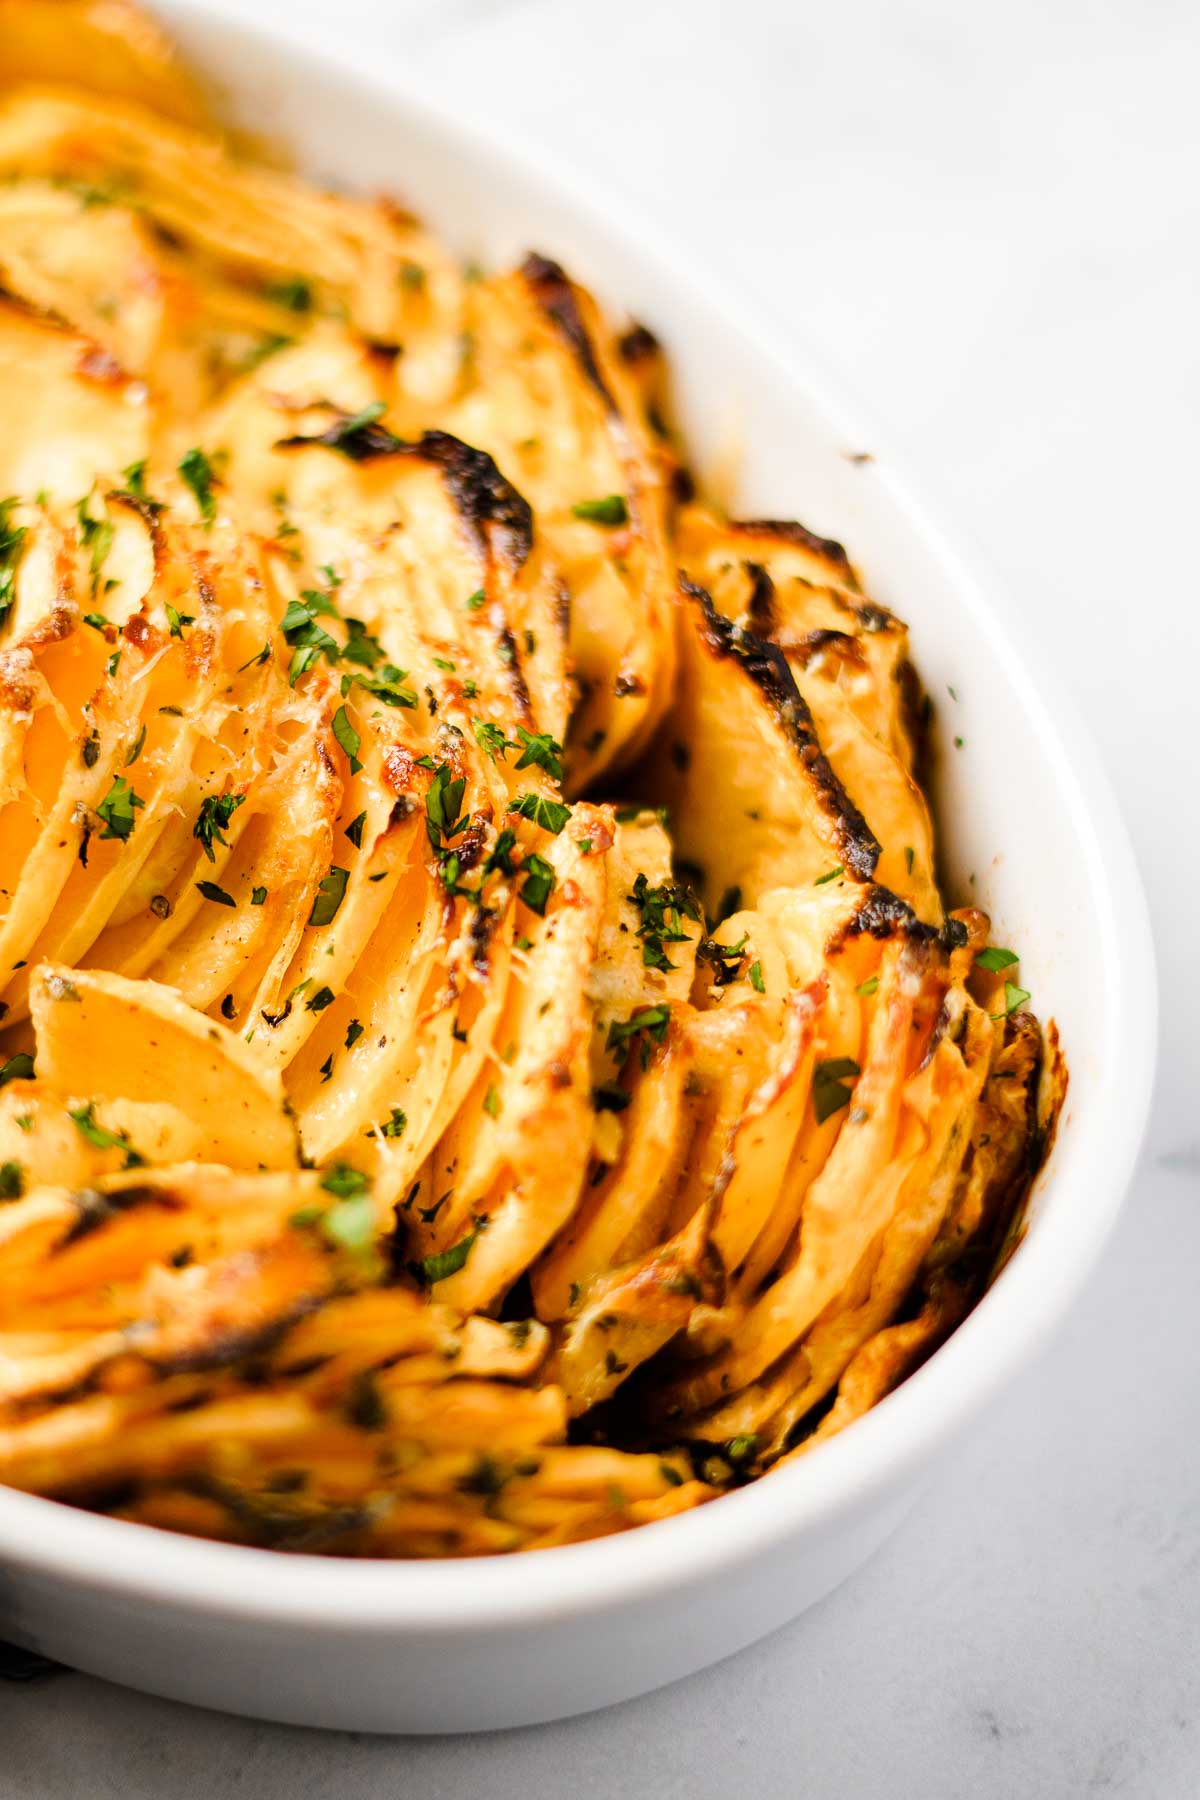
[{"x": 460, "y": 1646}]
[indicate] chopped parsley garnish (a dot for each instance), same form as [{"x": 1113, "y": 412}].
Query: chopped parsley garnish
[
  {"x": 663, "y": 910},
  {"x": 910, "y": 856},
  {"x": 649, "y": 1022},
  {"x": 215, "y": 814},
  {"x": 868, "y": 987},
  {"x": 475, "y": 601},
  {"x": 354, "y": 830},
  {"x": 501, "y": 853},
  {"x": 197, "y": 472},
  {"x": 831, "y": 876},
  {"x": 348, "y": 738},
  {"x": 612, "y": 510},
  {"x": 17, "y": 1068},
  {"x": 995, "y": 958},
  {"x": 442, "y": 804},
  {"x": 12, "y": 1181},
  {"x": 445, "y": 1262},
  {"x": 97, "y": 621},
  {"x": 491, "y": 1103},
  {"x": 100, "y": 1137},
  {"x": 177, "y": 620},
  {"x": 829, "y": 1091},
  {"x": 350, "y": 1223},
  {"x": 344, "y": 1182},
  {"x": 135, "y": 486},
  {"x": 12, "y": 541},
  {"x": 756, "y": 978},
  {"x": 135, "y": 749},
  {"x": 539, "y": 881},
  {"x": 320, "y": 1000},
  {"x": 353, "y": 1032},
  {"x": 216, "y": 894},
  {"x": 540, "y": 751},
  {"x": 258, "y": 896},
  {"x": 384, "y": 686},
  {"x": 330, "y": 894},
  {"x": 117, "y": 809},
  {"x": 726, "y": 959},
  {"x": 96, "y": 536},
  {"x": 551, "y": 815},
  {"x": 259, "y": 657},
  {"x": 1014, "y": 997},
  {"x": 307, "y": 639},
  {"x": 393, "y": 1127},
  {"x": 295, "y": 295},
  {"x": 360, "y": 646},
  {"x": 491, "y": 738}
]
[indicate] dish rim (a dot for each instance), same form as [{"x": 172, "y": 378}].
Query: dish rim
[{"x": 1008, "y": 1326}]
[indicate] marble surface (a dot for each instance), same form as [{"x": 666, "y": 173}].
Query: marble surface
[{"x": 987, "y": 221}]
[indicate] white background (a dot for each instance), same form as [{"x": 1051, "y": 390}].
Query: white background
[{"x": 987, "y": 221}]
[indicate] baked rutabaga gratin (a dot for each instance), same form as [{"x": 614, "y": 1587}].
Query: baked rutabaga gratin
[{"x": 485, "y": 1060}]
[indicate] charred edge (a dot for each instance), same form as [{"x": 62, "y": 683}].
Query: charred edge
[
  {"x": 235, "y": 1346},
  {"x": 483, "y": 496},
  {"x": 843, "y": 643},
  {"x": 555, "y": 295},
  {"x": 884, "y": 914},
  {"x": 274, "y": 1527},
  {"x": 481, "y": 929},
  {"x": 767, "y": 667},
  {"x": 760, "y": 607},
  {"x": 790, "y": 531},
  {"x": 514, "y": 674},
  {"x": 94, "y": 1209},
  {"x": 365, "y": 443},
  {"x": 638, "y": 344}
]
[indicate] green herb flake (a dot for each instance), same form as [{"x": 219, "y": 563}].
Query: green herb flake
[
  {"x": 551, "y": 815},
  {"x": 491, "y": 1103},
  {"x": 17, "y": 1068},
  {"x": 610, "y": 511},
  {"x": 353, "y": 1032},
  {"x": 1014, "y": 997},
  {"x": 446, "y": 1262},
  {"x": 829, "y": 1091},
  {"x": 330, "y": 894},
  {"x": 320, "y": 1000},
  {"x": 177, "y": 620},
  {"x": 393, "y": 1126},
  {"x": 84, "y": 1118},
  {"x": 197, "y": 472},
  {"x": 214, "y": 816},
  {"x": 995, "y": 958},
  {"x": 539, "y": 882},
  {"x": 136, "y": 749},
  {"x": 12, "y": 1181},
  {"x": 831, "y": 876},
  {"x": 648, "y": 1022},
  {"x": 868, "y": 987},
  {"x": 216, "y": 894},
  {"x": 258, "y": 896},
  {"x": 540, "y": 751},
  {"x": 354, "y": 830},
  {"x": 756, "y": 978},
  {"x": 12, "y": 544},
  {"x": 294, "y": 295},
  {"x": 117, "y": 809},
  {"x": 491, "y": 738},
  {"x": 348, "y": 738}
]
